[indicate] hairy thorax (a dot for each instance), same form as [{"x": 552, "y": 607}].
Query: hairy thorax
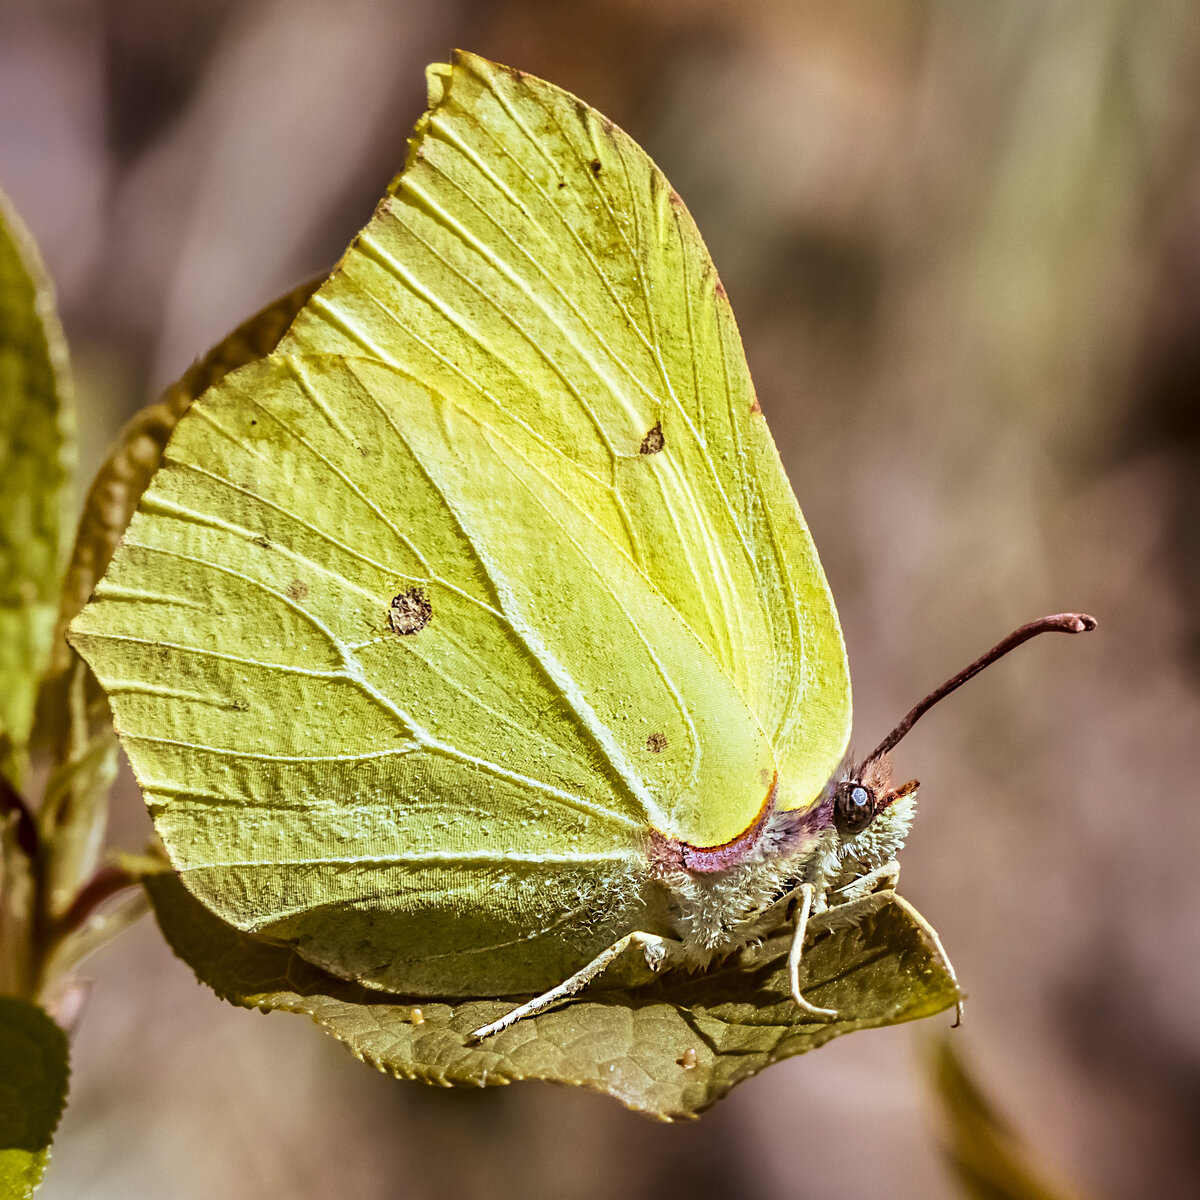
[
  {"x": 748, "y": 895},
  {"x": 715, "y": 912}
]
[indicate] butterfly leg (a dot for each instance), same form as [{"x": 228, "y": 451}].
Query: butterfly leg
[
  {"x": 881, "y": 879},
  {"x": 806, "y": 902},
  {"x": 656, "y": 949}
]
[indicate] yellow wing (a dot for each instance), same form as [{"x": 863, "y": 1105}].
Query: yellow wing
[{"x": 533, "y": 262}]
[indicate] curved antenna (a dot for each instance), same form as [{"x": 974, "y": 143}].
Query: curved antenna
[{"x": 1058, "y": 623}]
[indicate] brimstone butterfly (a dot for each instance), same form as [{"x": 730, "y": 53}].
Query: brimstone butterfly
[{"x": 473, "y": 643}]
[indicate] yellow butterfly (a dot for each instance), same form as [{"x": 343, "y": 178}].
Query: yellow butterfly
[{"x": 473, "y": 642}]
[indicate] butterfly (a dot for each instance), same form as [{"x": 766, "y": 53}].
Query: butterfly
[{"x": 473, "y": 643}]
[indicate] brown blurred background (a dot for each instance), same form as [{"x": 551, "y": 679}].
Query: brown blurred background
[{"x": 963, "y": 243}]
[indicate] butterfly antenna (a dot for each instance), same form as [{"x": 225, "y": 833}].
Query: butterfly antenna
[{"x": 1058, "y": 623}]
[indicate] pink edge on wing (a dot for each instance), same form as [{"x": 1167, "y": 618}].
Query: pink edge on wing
[{"x": 669, "y": 854}]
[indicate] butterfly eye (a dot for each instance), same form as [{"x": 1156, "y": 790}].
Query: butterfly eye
[{"x": 853, "y": 807}]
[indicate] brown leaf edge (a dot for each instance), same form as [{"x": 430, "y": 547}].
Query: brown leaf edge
[{"x": 669, "y": 1049}]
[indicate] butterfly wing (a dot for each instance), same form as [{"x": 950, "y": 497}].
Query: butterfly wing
[
  {"x": 492, "y": 568},
  {"x": 532, "y": 260}
]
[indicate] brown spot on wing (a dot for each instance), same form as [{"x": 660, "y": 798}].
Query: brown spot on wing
[
  {"x": 656, "y": 743},
  {"x": 654, "y": 441},
  {"x": 297, "y": 590},
  {"x": 409, "y": 612}
]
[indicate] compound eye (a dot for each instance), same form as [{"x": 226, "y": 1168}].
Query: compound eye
[{"x": 853, "y": 807}]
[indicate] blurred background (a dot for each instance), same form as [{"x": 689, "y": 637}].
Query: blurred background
[{"x": 963, "y": 244}]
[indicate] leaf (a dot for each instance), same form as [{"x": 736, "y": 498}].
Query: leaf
[
  {"x": 34, "y": 468},
  {"x": 669, "y": 1049},
  {"x": 74, "y": 815},
  {"x": 33, "y": 1092},
  {"x": 989, "y": 1157},
  {"x": 96, "y": 932}
]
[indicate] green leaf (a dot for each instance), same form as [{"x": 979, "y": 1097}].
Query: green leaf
[
  {"x": 669, "y": 1049},
  {"x": 33, "y": 1091},
  {"x": 74, "y": 815},
  {"x": 97, "y": 932},
  {"x": 34, "y": 468},
  {"x": 988, "y": 1156}
]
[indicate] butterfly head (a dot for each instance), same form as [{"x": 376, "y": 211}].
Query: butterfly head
[
  {"x": 864, "y": 795},
  {"x": 871, "y": 818}
]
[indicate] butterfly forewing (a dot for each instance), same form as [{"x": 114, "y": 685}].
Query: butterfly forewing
[{"x": 533, "y": 263}]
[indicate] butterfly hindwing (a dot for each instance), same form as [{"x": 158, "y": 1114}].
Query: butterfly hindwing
[{"x": 390, "y": 693}]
